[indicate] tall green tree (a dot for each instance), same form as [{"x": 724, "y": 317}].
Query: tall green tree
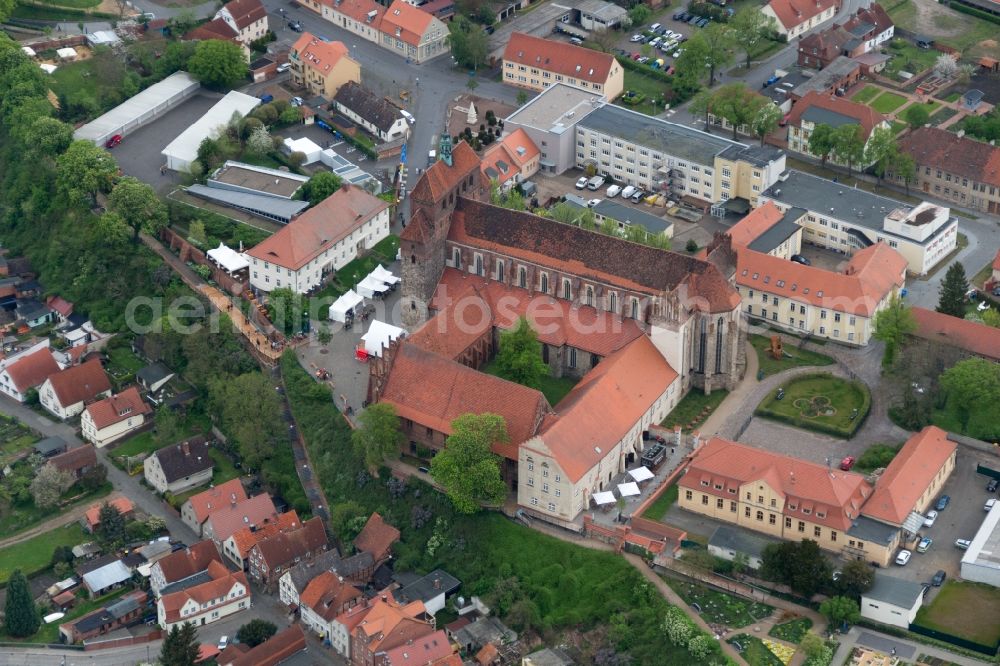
[
  {"x": 6, "y": 9},
  {"x": 467, "y": 468},
  {"x": 735, "y": 103},
  {"x": 799, "y": 564},
  {"x": 46, "y": 137},
  {"x": 701, "y": 105},
  {"x": 250, "y": 414},
  {"x": 111, "y": 527},
  {"x": 218, "y": 64},
  {"x": 954, "y": 287},
  {"x": 856, "y": 578},
  {"x": 766, "y": 119},
  {"x": 21, "y": 618},
  {"x": 379, "y": 436},
  {"x": 972, "y": 385},
  {"x": 255, "y": 632},
  {"x": 904, "y": 167},
  {"x": 138, "y": 206},
  {"x": 840, "y": 609},
  {"x": 821, "y": 142},
  {"x": 285, "y": 308},
  {"x": 916, "y": 115},
  {"x": 520, "y": 356},
  {"x": 849, "y": 145},
  {"x": 892, "y": 325},
  {"x": 320, "y": 186},
  {"x": 692, "y": 65},
  {"x": 469, "y": 42},
  {"x": 750, "y": 28},
  {"x": 718, "y": 38},
  {"x": 83, "y": 171},
  {"x": 880, "y": 151},
  {"x": 180, "y": 646},
  {"x": 49, "y": 484}
]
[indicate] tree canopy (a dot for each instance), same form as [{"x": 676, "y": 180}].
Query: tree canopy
[
  {"x": 821, "y": 142},
  {"x": 856, "y": 578},
  {"x": 285, "y": 308},
  {"x": 954, "y": 287},
  {"x": 520, "y": 356},
  {"x": 180, "y": 646},
  {"x": 467, "y": 467},
  {"x": 750, "y": 28},
  {"x": 799, "y": 564},
  {"x": 840, "y": 609},
  {"x": 111, "y": 527},
  {"x": 255, "y": 632},
  {"x": 250, "y": 413},
  {"x": 379, "y": 437},
  {"x": 84, "y": 170},
  {"x": 469, "y": 42},
  {"x": 21, "y": 617},
  {"x": 881, "y": 150},
  {"x": 137, "y": 204},
  {"x": 320, "y": 186},
  {"x": 972, "y": 384},
  {"x": 892, "y": 324},
  {"x": 849, "y": 145},
  {"x": 218, "y": 64}
]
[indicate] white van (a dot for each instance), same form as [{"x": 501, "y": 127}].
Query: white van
[
  {"x": 408, "y": 116},
  {"x": 613, "y": 191},
  {"x": 654, "y": 27},
  {"x": 595, "y": 183},
  {"x": 628, "y": 191}
]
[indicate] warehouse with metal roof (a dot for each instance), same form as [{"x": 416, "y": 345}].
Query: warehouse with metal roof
[{"x": 183, "y": 150}]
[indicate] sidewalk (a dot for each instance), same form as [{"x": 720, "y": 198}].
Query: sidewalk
[{"x": 736, "y": 398}]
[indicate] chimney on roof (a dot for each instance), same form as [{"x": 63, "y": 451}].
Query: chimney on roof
[
  {"x": 385, "y": 598},
  {"x": 186, "y": 449},
  {"x": 437, "y": 582}
]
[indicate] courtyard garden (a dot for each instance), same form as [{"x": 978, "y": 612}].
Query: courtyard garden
[
  {"x": 694, "y": 409},
  {"x": 353, "y": 272},
  {"x": 887, "y": 102},
  {"x": 553, "y": 388},
  {"x": 754, "y": 651},
  {"x": 658, "y": 509},
  {"x": 719, "y": 607},
  {"x": 820, "y": 402},
  {"x": 792, "y": 631},
  {"x": 15, "y": 437},
  {"x": 792, "y": 357},
  {"x": 948, "y": 613}
]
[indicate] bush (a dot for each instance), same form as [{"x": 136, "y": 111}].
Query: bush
[
  {"x": 972, "y": 11},
  {"x": 633, "y": 98}
]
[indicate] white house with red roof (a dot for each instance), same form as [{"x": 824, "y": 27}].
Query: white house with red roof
[
  {"x": 793, "y": 18},
  {"x": 247, "y": 18},
  {"x": 65, "y": 393},
  {"x": 321, "y": 240},
  {"x": 196, "y": 510},
  {"x": 401, "y": 28},
  {"x": 223, "y": 594},
  {"x": 114, "y": 417},
  {"x": 27, "y": 371},
  {"x": 537, "y": 63}
]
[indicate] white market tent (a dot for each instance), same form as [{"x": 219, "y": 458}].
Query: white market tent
[
  {"x": 628, "y": 489},
  {"x": 371, "y": 286},
  {"x": 103, "y": 37},
  {"x": 380, "y": 335},
  {"x": 350, "y": 300},
  {"x": 141, "y": 109},
  {"x": 231, "y": 260},
  {"x": 384, "y": 275},
  {"x": 183, "y": 150},
  {"x": 600, "y": 499},
  {"x": 641, "y": 474},
  {"x": 28, "y": 51},
  {"x": 307, "y": 147},
  {"x": 47, "y": 68},
  {"x": 66, "y": 53}
]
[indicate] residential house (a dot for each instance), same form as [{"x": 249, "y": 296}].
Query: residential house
[
  {"x": 955, "y": 168},
  {"x": 846, "y": 220},
  {"x": 376, "y": 538},
  {"x": 113, "y": 615},
  {"x": 809, "y": 300},
  {"x": 104, "y": 579},
  {"x": 818, "y": 49},
  {"x": 970, "y": 336},
  {"x": 871, "y": 26},
  {"x": 114, "y": 417},
  {"x": 223, "y": 594},
  {"x": 33, "y": 313},
  {"x": 77, "y": 461},
  {"x": 793, "y": 18},
  {"x": 278, "y": 648},
  {"x": 322, "y": 67},
  {"x": 411, "y": 32},
  {"x": 536, "y": 63},
  {"x": 225, "y": 520},
  {"x": 247, "y": 18},
  {"x": 196, "y": 510},
  {"x": 376, "y": 114},
  {"x": 360, "y": 17},
  {"x": 183, "y": 567},
  {"x": 237, "y": 547},
  {"x": 820, "y": 109},
  {"x": 154, "y": 377},
  {"x": 770, "y": 230},
  {"x": 26, "y": 371},
  {"x": 511, "y": 161},
  {"x": 272, "y": 556},
  {"x": 356, "y": 569},
  {"x": 65, "y": 393},
  {"x": 91, "y": 519},
  {"x": 323, "y": 239},
  {"x": 432, "y": 589},
  {"x": 893, "y": 601},
  {"x": 434, "y": 649},
  {"x": 179, "y": 467},
  {"x": 323, "y": 599},
  {"x": 379, "y": 625},
  {"x": 218, "y": 29}
]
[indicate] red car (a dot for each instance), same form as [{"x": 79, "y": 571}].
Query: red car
[
  {"x": 636, "y": 56},
  {"x": 113, "y": 141},
  {"x": 847, "y": 463}
]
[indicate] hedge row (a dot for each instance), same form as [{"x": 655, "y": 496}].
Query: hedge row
[
  {"x": 651, "y": 72},
  {"x": 972, "y": 11},
  {"x": 809, "y": 424}
]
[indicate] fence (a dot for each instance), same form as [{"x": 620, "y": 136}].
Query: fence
[
  {"x": 154, "y": 635},
  {"x": 58, "y": 43},
  {"x": 955, "y": 640}
]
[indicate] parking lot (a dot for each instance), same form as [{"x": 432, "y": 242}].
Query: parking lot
[{"x": 666, "y": 21}]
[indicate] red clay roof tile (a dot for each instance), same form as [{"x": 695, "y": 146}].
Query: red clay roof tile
[
  {"x": 980, "y": 339},
  {"x": 80, "y": 383},
  {"x": 560, "y": 57},
  {"x": 117, "y": 408},
  {"x": 31, "y": 370}
]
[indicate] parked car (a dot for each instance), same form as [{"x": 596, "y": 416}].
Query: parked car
[
  {"x": 407, "y": 116},
  {"x": 771, "y": 81},
  {"x": 223, "y": 642},
  {"x": 283, "y": 67},
  {"x": 693, "y": 20},
  {"x": 942, "y": 502},
  {"x": 799, "y": 259},
  {"x": 595, "y": 183},
  {"x": 962, "y": 544},
  {"x": 295, "y": 26},
  {"x": 614, "y": 191},
  {"x": 113, "y": 141},
  {"x": 643, "y": 60},
  {"x": 576, "y": 41},
  {"x": 991, "y": 487},
  {"x": 677, "y": 15},
  {"x": 628, "y": 191},
  {"x": 903, "y": 557},
  {"x": 685, "y": 17},
  {"x": 593, "y": 202},
  {"x": 938, "y": 578},
  {"x": 297, "y": 101},
  {"x": 847, "y": 463},
  {"x": 930, "y": 518},
  {"x": 924, "y": 544},
  {"x": 636, "y": 56},
  {"x": 655, "y": 27},
  {"x": 637, "y": 38},
  {"x": 266, "y": 97},
  {"x": 581, "y": 182},
  {"x": 703, "y": 22},
  {"x": 638, "y": 196},
  {"x": 990, "y": 503}
]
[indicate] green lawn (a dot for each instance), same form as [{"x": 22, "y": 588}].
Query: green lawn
[
  {"x": 887, "y": 102},
  {"x": 754, "y": 651},
  {"x": 353, "y": 272},
  {"x": 694, "y": 408},
  {"x": 792, "y": 631},
  {"x": 906, "y": 57},
  {"x": 73, "y": 4},
  {"x": 659, "y": 508},
  {"x": 14, "y": 438},
  {"x": 144, "y": 442},
  {"x": 23, "y": 515},
  {"x": 718, "y": 607},
  {"x": 122, "y": 365},
  {"x": 983, "y": 424},
  {"x": 35, "y": 553},
  {"x": 820, "y": 402},
  {"x": 897, "y": 126},
  {"x": 931, "y": 106},
  {"x": 648, "y": 86},
  {"x": 949, "y": 612},
  {"x": 87, "y": 76},
  {"x": 866, "y": 94},
  {"x": 953, "y": 97},
  {"x": 969, "y": 34},
  {"x": 553, "y": 388},
  {"x": 224, "y": 467},
  {"x": 793, "y": 356}
]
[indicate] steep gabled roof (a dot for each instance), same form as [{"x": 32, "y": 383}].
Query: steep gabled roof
[
  {"x": 224, "y": 494},
  {"x": 31, "y": 370},
  {"x": 184, "y": 459},
  {"x": 274, "y": 650},
  {"x": 247, "y": 537},
  {"x": 214, "y": 29},
  {"x": 75, "y": 459},
  {"x": 229, "y": 518},
  {"x": 821, "y": 108},
  {"x": 318, "y": 55},
  {"x": 93, "y": 514},
  {"x": 439, "y": 178},
  {"x": 285, "y": 547},
  {"x": 406, "y": 22},
  {"x": 80, "y": 383},
  {"x": 377, "y": 110},
  {"x": 221, "y": 582},
  {"x": 327, "y": 593},
  {"x": 826, "y": 44},
  {"x": 377, "y": 536},
  {"x": 559, "y": 57},
  {"x": 792, "y": 13},
  {"x": 117, "y": 408},
  {"x": 976, "y": 160},
  {"x": 245, "y": 12},
  {"x": 188, "y": 562}
]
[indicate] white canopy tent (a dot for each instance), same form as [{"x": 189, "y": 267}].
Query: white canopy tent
[
  {"x": 628, "y": 489},
  {"x": 350, "y": 300},
  {"x": 602, "y": 498},
  {"x": 371, "y": 286},
  {"x": 231, "y": 260},
  {"x": 379, "y": 335},
  {"x": 381, "y": 273},
  {"x": 641, "y": 474}
]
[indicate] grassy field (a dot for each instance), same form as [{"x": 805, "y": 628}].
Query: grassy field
[
  {"x": 866, "y": 94},
  {"x": 983, "y": 424},
  {"x": 792, "y": 631},
  {"x": 949, "y": 612},
  {"x": 794, "y": 357},
  {"x": 14, "y": 438},
  {"x": 969, "y": 34},
  {"x": 718, "y": 607},
  {"x": 897, "y": 126},
  {"x": 819, "y": 402},
  {"x": 694, "y": 409},
  {"x": 754, "y": 650},
  {"x": 953, "y": 97},
  {"x": 34, "y": 554},
  {"x": 887, "y": 102},
  {"x": 553, "y": 388},
  {"x": 84, "y": 75},
  {"x": 72, "y": 4},
  {"x": 659, "y": 508},
  {"x": 648, "y": 86},
  {"x": 908, "y": 58},
  {"x": 931, "y": 106}
]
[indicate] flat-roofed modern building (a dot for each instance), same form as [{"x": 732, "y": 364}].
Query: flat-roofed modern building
[
  {"x": 847, "y": 220},
  {"x": 981, "y": 562},
  {"x": 242, "y": 177}
]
